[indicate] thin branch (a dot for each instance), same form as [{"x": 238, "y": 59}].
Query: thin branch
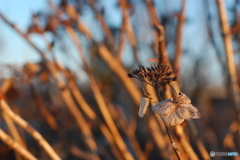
[
  {"x": 16, "y": 146},
  {"x": 99, "y": 98},
  {"x": 231, "y": 68},
  {"x": 178, "y": 50},
  {"x": 178, "y": 154},
  {"x": 66, "y": 94},
  {"x": 128, "y": 28},
  {"x": 34, "y": 133}
]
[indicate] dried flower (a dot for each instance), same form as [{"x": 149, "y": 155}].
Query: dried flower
[
  {"x": 157, "y": 75},
  {"x": 175, "y": 112}
]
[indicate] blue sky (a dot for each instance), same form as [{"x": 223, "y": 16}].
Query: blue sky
[{"x": 15, "y": 50}]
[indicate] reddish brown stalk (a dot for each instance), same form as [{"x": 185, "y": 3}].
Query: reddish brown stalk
[
  {"x": 43, "y": 110},
  {"x": 154, "y": 22},
  {"x": 99, "y": 98},
  {"x": 178, "y": 50},
  {"x": 121, "y": 44},
  {"x": 106, "y": 30},
  {"x": 165, "y": 60},
  {"x": 117, "y": 113},
  {"x": 128, "y": 28},
  {"x": 174, "y": 145},
  {"x": 231, "y": 68},
  {"x": 88, "y": 111},
  {"x": 64, "y": 92},
  {"x": 34, "y": 133},
  {"x": 16, "y": 146}
]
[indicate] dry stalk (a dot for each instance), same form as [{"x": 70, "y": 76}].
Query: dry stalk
[
  {"x": 174, "y": 145},
  {"x": 121, "y": 44},
  {"x": 178, "y": 50},
  {"x": 114, "y": 65},
  {"x": 64, "y": 92},
  {"x": 158, "y": 137},
  {"x": 231, "y": 68},
  {"x": 34, "y": 133},
  {"x": 164, "y": 59},
  {"x": 117, "y": 113},
  {"x": 128, "y": 28},
  {"x": 154, "y": 22},
  {"x": 16, "y": 146},
  {"x": 88, "y": 111},
  {"x": 81, "y": 154},
  {"x": 43, "y": 110},
  {"x": 12, "y": 128},
  {"x": 118, "y": 69},
  {"x": 229, "y": 138},
  {"x": 181, "y": 135},
  {"x": 105, "y": 28},
  {"x": 108, "y": 119},
  {"x": 99, "y": 98}
]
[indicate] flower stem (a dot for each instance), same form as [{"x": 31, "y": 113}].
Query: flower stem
[{"x": 175, "y": 148}]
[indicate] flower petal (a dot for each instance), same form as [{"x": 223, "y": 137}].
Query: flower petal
[{"x": 164, "y": 107}]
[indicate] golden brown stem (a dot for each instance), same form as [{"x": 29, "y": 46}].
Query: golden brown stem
[
  {"x": 154, "y": 22},
  {"x": 128, "y": 28},
  {"x": 16, "y": 146},
  {"x": 34, "y": 133},
  {"x": 231, "y": 68},
  {"x": 178, "y": 51},
  {"x": 66, "y": 95}
]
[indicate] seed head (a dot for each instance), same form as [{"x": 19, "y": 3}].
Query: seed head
[{"x": 156, "y": 75}]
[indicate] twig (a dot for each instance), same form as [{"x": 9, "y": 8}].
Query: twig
[
  {"x": 154, "y": 22},
  {"x": 64, "y": 92},
  {"x": 42, "y": 108},
  {"x": 34, "y": 133},
  {"x": 128, "y": 28},
  {"x": 105, "y": 28},
  {"x": 178, "y": 50},
  {"x": 12, "y": 128},
  {"x": 231, "y": 68},
  {"x": 16, "y": 146},
  {"x": 178, "y": 154},
  {"x": 99, "y": 98},
  {"x": 88, "y": 111},
  {"x": 121, "y": 44},
  {"x": 108, "y": 118}
]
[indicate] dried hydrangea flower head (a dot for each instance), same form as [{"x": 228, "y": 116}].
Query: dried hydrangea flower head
[
  {"x": 157, "y": 75},
  {"x": 175, "y": 112},
  {"x": 172, "y": 111}
]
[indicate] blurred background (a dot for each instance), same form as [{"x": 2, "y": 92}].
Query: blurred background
[{"x": 64, "y": 65}]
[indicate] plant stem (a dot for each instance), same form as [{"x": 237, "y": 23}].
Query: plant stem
[{"x": 175, "y": 148}]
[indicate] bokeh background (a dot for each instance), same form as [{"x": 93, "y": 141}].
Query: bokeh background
[{"x": 64, "y": 65}]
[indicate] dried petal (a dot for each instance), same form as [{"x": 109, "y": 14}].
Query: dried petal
[
  {"x": 143, "y": 106},
  {"x": 165, "y": 107},
  {"x": 172, "y": 119},
  {"x": 183, "y": 98},
  {"x": 193, "y": 111},
  {"x": 173, "y": 113}
]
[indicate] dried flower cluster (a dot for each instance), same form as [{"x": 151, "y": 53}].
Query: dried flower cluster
[
  {"x": 172, "y": 111},
  {"x": 157, "y": 75}
]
